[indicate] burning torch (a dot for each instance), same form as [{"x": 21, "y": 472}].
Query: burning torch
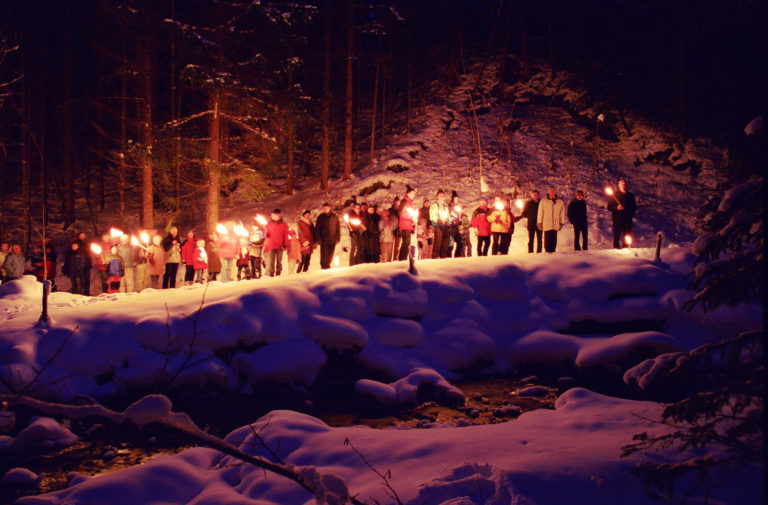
[
  {"x": 260, "y": 219},
  {"x": 519, "y": 204},
  {"x": 628, "y": 240},
  {"x": 115, "y": 233},
  {"x": 609, "y": 192},
  {"x": 135, "y": 242},
  {"x": 96, "y": 249}
]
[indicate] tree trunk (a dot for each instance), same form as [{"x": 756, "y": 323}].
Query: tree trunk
[
  {"x": 325, "y": 156},
  {"x": 349, "y": 92},
  {"x": 551, "y": 39},
  {"x": 26, "y": 176},
  {"x": 147, "y": 204},
  {"x": 375, "y": 99},
  {"x": 290, "y": 140},
  {"x": 524, "y": 42},
  {"x": 68, "y": 135},
  {"x": 213, "y": 164}
]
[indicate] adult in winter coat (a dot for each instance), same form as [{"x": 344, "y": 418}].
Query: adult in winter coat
[
  {"x": 440, "y": 215},
  {"x": 188, "y": 247},
  {"x": 228, "y": 249},
  {"x": 294, "y": 251},
  {"x": 622, "y": 205},
  {"x": 577, "y": 215},
  {"x": 85, "y": 246},
  {"x": 129, "y": 255},
  {"x": 200, "y": 261},
  {"x": 5, "y": 249},
  {"x": 483, "y": 227},
  {"x": 14, "y": 263},
  {"x": 356, "y": 227},
  {"x": 275, "y": 243},
  {"x": 98, "y": 259},
  {"x": 306, "y": 240},
  {"x": 214, "y": 263},
  {"x": 172, "y": 250},
  {"x": 256, "y": 248},
  {"x": 454, "y": 219},
  {"x": 388, "y": 225},
  {"x": 551, "y": 218},
  {"x": 424, "y": 212},
  {"x": 502, "y": 225},
  {"x": 327, "y": 234},
  {"x": 155, "y": 262},
  {"x": 75, "y": 263},
  {"x": 371, "y": 235},
  {"x": 406, "y": 224},
  {"x": 531, "y": 212}
]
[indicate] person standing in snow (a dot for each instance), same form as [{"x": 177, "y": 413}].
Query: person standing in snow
[
  {"x": 155, "y": 262},
  {"x": 85, "y": 246},
  {"x": 256, "y": 248},
  {"x": 394, "y": 211},
  {"x": 550, "y": 219},
  {"x": 14, "y": 263},
  {"x": 531, "y": 212},
  {"x": 294, "y": 251},
  {"x": 214, "y": 263},
  {"x": 200, "y": 261},
  {"x": 577, "y": 215},
  {"x": 188, "y": 247},
  {"x": 127, "y": 252},
  {"x": 622, "y": 206},
  {"x": 439, "y": 215},
  {"x": 98, "y": 259},
  {"x": 243, "y": 261},
  {"x": 306, "y": 240},
  {"x": 276, "y": 242},
  {"x": 228, "y": 251},
  {"x": 172, "y": 250},
  {"x": 502, "y": 224},
  {"x": 424, "y": 212},
  {"x": 454, "y": 219},
  {"x": 483, "y": 227},
  {"x": 355, "y": 227},
  {"x": 75, "y": 263},
  {"x": 406, "y": 224},
  {"x": 371, "y": 235},
  {"x": 327, "y": 234},
  {"x": 115, "y": 270},
  {"x": 388, "y": 225}
]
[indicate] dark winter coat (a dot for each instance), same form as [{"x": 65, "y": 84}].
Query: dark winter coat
[
  {"x": 627, "y": 200},
  {"x": 86, "y": 248},
  {"x": 577, "y": 213},
  {"x": 75, "y": 263},
  {"x": 277, "y": 236},
  {"x": 531, "y": 212},
  {"x": 480, "y": 221},
  {"x": 327, "y": 229}
]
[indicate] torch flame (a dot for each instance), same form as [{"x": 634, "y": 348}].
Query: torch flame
[
  {"x": 628, "y": 240},
  {"x": 145, "y": 237},
  {"x": 443, "y": 214},
  {"x": 204, "y": 255},
  {"x": 457, "y": 209},
  {"x": 240, "y": 230},
  {"x": 346, "y": 218},
  {"x": 519, "y": 204},
  {"x": 261, "y": 220},
  {"x": 413, "y": 212},
  {"x": 114, "y": 233},
  {"x": 355, "y": 222},
  {"x": 609, "y": 191},
  {"x": 96, "y": 248},
  {"x": 336, "y": 261},
  {"x": 221, "y": 229},
  {"x": 134, "y": 240},
  {"x": 499, "y": 205}
]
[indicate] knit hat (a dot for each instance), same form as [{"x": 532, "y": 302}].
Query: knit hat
[
  {"x": 276, "y": 211},
  {"x": 306, "y": 211},
  {"x": 326, "y": 204}
]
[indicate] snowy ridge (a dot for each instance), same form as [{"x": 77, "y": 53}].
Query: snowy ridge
[{"x": 496, "y": 312}]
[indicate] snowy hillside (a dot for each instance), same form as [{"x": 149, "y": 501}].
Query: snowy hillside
[{"x": 547, "y": 127}]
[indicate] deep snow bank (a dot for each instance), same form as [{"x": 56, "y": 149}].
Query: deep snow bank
[{"x": 497, "y": 311}]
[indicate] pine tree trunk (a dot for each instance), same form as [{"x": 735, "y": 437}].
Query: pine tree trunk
[
  {"x": 325, "y": 156},
  {"x": 349, "y": 92},
  {"x": 290, "y": 140},
  {"x": 524, "y": 41},
  {"x": 213, "y": 164},
  {"x": 68, "y": 136},
  {"x": 26, "y": 180},
  {"x": 551, "y": 39},
  {"x": 375, "y": 99},
  {"x": 147, "y": 205}
]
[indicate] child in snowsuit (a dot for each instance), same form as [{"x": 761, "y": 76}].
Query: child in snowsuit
[
  {"x": 200, "y": 261},
  {"x": 115, "y": 270}
]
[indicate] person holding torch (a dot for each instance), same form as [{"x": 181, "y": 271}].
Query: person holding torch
[
  {"x": 502, "y": 225},
  {"x": 439, "y": 215},
  {"x": 276, "y": 242},
  {"x": 622, "y": 206},
  {"x": 327, "y": 234},
  {"x": 408, "y": 217}
]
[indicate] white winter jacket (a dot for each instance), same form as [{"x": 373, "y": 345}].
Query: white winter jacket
[{"x": 551, "y": 214}]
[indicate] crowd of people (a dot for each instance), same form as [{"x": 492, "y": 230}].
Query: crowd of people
[{"x": 440, "y": 228}]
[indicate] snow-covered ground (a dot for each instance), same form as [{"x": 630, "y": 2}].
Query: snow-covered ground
[{"x": 498, "y": 312}]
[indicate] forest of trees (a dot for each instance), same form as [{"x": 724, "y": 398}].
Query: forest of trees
[{"x": 158, "y": 108}]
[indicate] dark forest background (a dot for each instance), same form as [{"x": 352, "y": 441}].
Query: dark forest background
[{"x": 162, "y": 107}]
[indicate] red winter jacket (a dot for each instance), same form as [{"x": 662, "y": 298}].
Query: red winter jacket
[
  {"x": 199, "y": 259},
  {"x": 480, "y": 221},
  {"x": 277, "y": 236},
  {"x": 188, "y": 251},
  {"x": 406, "y": 220},
  {"x": 228, "y": 246}
]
